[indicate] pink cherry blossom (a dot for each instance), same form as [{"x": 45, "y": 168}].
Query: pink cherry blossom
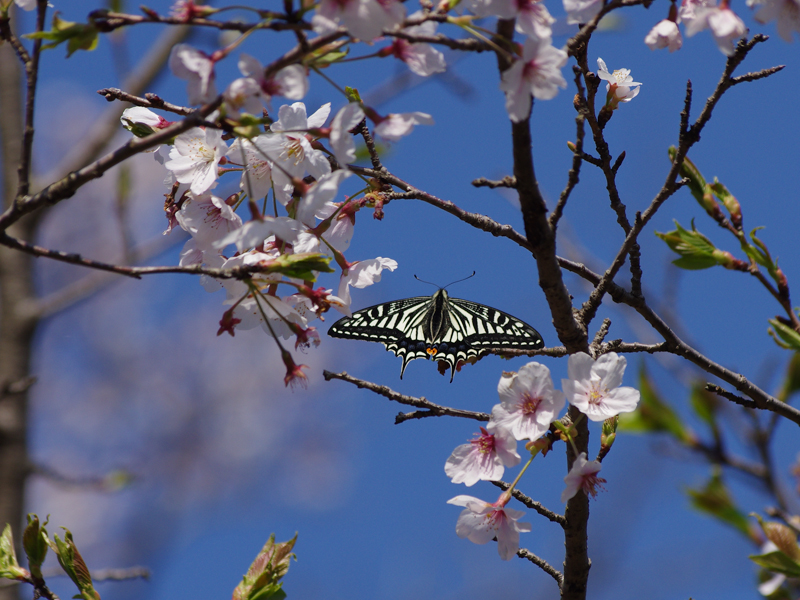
[
  {"x": 582, "y": 476},
  {"x": 481, "y": 522},
  {"x": 665, "y": 34},
  {"x": 362, "y": 274},
  {"x": 423, "y": 59},
  {"x": 532, "y": 17},
  {"x": 198, "y": 69},
  {"x": 195, "y": 157},
  {"x": 395, "y": 126},
  {"x": 537, "y": 74},
  {"x": 528, "y": 402},
  {"x": 593, "y": 386},
  {"x": 725, "y": 25},
  {"x": 483, "y": 458}
]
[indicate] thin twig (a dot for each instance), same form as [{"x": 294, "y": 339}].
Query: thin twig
[
  {"x": 532, "y": 504},
  {"x": 542, "y": 564},
  {"x": 430, "y": 409}
]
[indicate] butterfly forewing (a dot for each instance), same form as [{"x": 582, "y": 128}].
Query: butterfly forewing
[{"x": 446, "y": 329}]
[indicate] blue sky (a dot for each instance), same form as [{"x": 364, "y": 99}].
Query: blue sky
[{"x": 135, "y": 378}]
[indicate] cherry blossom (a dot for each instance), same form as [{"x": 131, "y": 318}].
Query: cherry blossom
[
  {"x": 344, "y": 148},
  {"x": 620, "y": 87},
  {"x": 481, "y": 521},
  {"x": 537, "y": 74},
  {"x": 593, "y": 386},
  {"x": 532, "y": 17},
  {"x": 364, "y": 19},
  {"x": 256, "y": 178},
  {"x": 289, "y": 149},
  {"x": 254, "y": 233},
  {"x": 396, "y": 125},
  {"x": 362, "y": 274},
  {"x": 26, "y": 4},
  {"x": 423, "y": 59},
  {"x": 785, "y": 12},
  {"x": 142, "y": 122},
  {"x": 581, "y": 11},
  {"x": 665, "y": 34},
  {"x": 528, "y": 402},
  {"x": 195, "y": 157},
  {"x": 726, "y": 27},
  {"x": 207, "y": 219},
  {"x": 243, "y": 95},
  {"x": 323, "y": 191},
  {"x": 198, "y": 69},
  {"x": 582, "y": 476},
  {"x": 483, "y": 458}
]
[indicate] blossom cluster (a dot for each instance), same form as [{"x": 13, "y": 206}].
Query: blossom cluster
[{"x": 529, "y": 404}]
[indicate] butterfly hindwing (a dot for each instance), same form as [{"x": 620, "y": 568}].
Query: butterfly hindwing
[{"x": 445, "y": 329}]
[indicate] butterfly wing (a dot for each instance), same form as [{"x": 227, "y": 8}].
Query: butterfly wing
[
  {"x": 486, "y": 328},
  {"x": 398, "y": 325}
]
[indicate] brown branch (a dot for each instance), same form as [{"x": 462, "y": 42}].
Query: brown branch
[
  {"x": 542, "y": 564},
  {"x": 430, "y": 409},
  {"x": 507, "y": 181},
  {"x": 149, "y": 101},
  {"x": 107, "y": 21},
  {"x": 532, "y": 504}
]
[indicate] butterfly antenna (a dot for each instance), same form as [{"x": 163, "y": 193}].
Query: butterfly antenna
[{"x": 448, "y": 285}]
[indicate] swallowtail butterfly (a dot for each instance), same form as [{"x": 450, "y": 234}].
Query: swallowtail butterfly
[{"x": 437, "y": 327}]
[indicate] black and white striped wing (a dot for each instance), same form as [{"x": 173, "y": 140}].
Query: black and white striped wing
[
  {"x": 486, "y": 328},
  {"x": 398, "y": 325}
]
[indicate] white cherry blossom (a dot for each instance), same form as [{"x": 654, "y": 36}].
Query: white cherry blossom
[
  {"x": 362, "y": 274},
  {"x": 532, "y": 17},
  {"x": 256, "y": 178},
  {"x": 322, "y": 192},
  {"x": 528, "y": 402},
  {"x": 725, "y": 25},
  {"x": 481, "y": 522},
  {"x": 786, "y": 13},
  {"x": 254, "y": 233},
  {"x": 581, "y": 11},
  {"x": 537, "y": 74},
  {"x": 396, "y": 125},
  {"x": 582, "y": 476},
  {"x": 423, "y": 59},
  {"x": 344, "y": 148},
  {"x": 198, "y": 69},
  {"x": 620, "y": 87},
  {"x": 665, "y": 34},
  {"x": 364, "y": 19},
  {"x": 593, "y": 386},
  {"x": 195, "y": 157},
  {"x": 485, "y": 457},
  {"x": 207, "y": 219}
]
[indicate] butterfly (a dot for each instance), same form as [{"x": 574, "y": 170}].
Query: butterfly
[{"x": 437, "y": 327}]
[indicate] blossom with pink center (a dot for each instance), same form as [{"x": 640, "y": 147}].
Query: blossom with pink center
[
  {"x": 532, "y": 17},
  {"x": 256, "y": 178},
  {"x": 786, "y": 13},
  {"x": 254, "y": 233},
  {"x": 581, "y": 11},
  {"x": 318, "y": 195},
  {"x": 484, "y": 458},
  {"x": 198, "y": 69},
  {"x": 423, "y": 59},
  {"x": 207, "y": 219},
  {"x": 537, "y": 74},
  {"x": 195, "y": 157},
  {"x": 725, "y": 25},
  {"x": 620, "y": 87},
  {"x": 364, "y": 19},
  {"x": 528, "y": 402},
  {"x": 362, "y": 274},
  {"x": 582, "y": 476},
  {"x": 142, "y": 122},
  {"x": 593, "y": 386},
  {"x": 397, "y": 125},
  {"x": 482, "y": 521},
  {"x": 665, "y": 34}
]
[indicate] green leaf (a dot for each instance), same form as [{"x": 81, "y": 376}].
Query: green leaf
[
  {"x": 759, "y": 252},
  {"x": 704, "y": 403},
  {"x": 35, "y": 543},
  {"x": 77, "y": 35},
  {"x": 9, "y": 567},
  {"x": 792, "y": 382},
  {"x": 262, "y": 580},
  {"x": 777, "y": 562},
  {"x": 715, "y": 500},
  {"x": 784, "y": 336},
  {"x": 654, "y": 414},
  {"x": 73, "y": 564},
  {"x": 696, "y": 250},
  {"x": 301, "y": 265}
]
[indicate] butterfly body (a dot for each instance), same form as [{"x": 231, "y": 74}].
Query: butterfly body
[{"x": 438, "y": 327}]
